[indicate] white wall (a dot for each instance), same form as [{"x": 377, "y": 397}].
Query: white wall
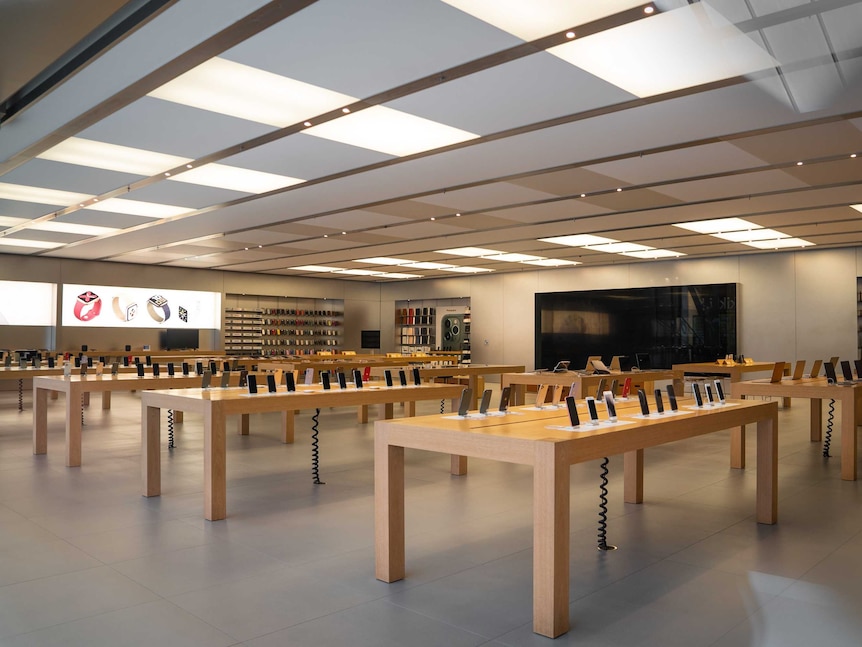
[{"x": 792, "y": 305}]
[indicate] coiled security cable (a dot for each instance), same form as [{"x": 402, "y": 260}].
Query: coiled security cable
[
  {"x": 315, "y": 449},
  {"x": 603, "y": 509}
]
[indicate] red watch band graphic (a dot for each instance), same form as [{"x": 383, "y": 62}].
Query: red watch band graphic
[{"x": 88, "y": 306}]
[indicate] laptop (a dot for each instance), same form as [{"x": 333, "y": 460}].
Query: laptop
[
  {"x": 777, "y": 372},
  {"x": 600, "y": 367},
  {"x": 833, "y": 378},
  {"x": 589, "y": 367},
  {"x": 798, "y": 369},
  {"x": 815, "y": 370},
  {"x": 642, "y": 361}
]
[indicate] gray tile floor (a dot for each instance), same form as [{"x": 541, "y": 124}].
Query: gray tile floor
[{"x": 85, "y": 560}]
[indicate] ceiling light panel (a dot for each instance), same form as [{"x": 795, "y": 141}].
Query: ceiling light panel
[
  {"x": 552, "y": 262},
  {"x": 358, "y": 272},
  {"x": 653, "y": 254},
  {"x": 423, "y": 265},
  {"x": 619, "y": 248},
  {"x": 682, "y": 48},
  {"x": 514, "y": 258},
  {"x": 238, "y": 90},
  {"x": 750, "y": 235},
  {"x": 398, "y": 275},
  {"x": 30, "y": 244},
  {"x": 538, "y": 18},
  {"x": 717, "y": 225},
  {"x": 781, "y": 243},
  {"x": 464, "y": 269},
  {"x": 111, "y": 157},
  {"x": 472, "y": 252},
  {"x": 222, "y": 176},
  {"x": 384, "y": 261},
  {"x": 314, "y": 268},
  {"x": 40, "y": 195},
  {"x": 578, "y": 240},
  {"x": 138, "y": 208},
  {"x": 385, "y": 130}
]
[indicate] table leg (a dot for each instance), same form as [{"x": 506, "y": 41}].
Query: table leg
[
  {"x": 633, "y": 476},
  {"x": 151, "y": 460},
  {"x": 86, "y": 398},
  {"x": 848, "y": 435},
  {"x": 550, "y": 542},
  {"x": 411, "y": 409},
  {"x": 40, "y": 421},
  {"x": 816, "y": 420},
  {"x": 242, "y": 427},
  {"x": 288, "y": 426},
  {"x": 457, "y": 465},
  {"x": 362, "y": 414},
  {"x": 737, "y": 446},
  {"x": 106, "y": 400},
  {"x": 516, "y": 394},
  {"x": 767, "y": 469},
  {"x": 178, "y": 416},
  {"x": 215, "y": 478},
  {"x": 388, "y": 510},
  {"x": 388, "y": 411},
  {"x": 74, "y": 414}
]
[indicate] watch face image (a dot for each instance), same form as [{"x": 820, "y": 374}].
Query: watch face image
[
  {"x": 87, "y": 306},
  {"x": 157, "y": 308},
  {"x": 124, "y": 308},
  {"x": 183, "y": 314}
]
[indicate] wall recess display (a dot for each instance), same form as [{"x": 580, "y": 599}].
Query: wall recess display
[
  {"x": 101, "y": 306},
  {"x": 26, "y": 303},
  {"x": 433, "y": 324},
  {"x": 286, "y": 325}
]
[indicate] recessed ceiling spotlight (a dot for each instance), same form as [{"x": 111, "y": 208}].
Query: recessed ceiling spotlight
[
  {"x": 852, "y": 155},
  {"x": 95, "y": 199},
  {"x": 306, "y": 124},
  {"x": 619, "y": 189},
  {"x": 326, "y": 235},
  {"x": 345, "y": 110},
  {"x": 433, "y": 218},
  {"x": 260, "y": 246},
  {"x": 246, "y": 249},
  {"x": 798, "y": 163},
  {"x": 343, "y": 233},
  {"x": 188, "y": 166},
  {"x": 167, "y": 174},
  {"x": 570, "y": 34},
  {"x": 649, "y": 9},
  {"x": 583, "y": 195},
  {"x": 457, "y": 215}
]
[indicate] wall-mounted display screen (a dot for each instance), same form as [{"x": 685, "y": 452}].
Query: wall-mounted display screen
[
  {"x": 23, "y": 303},
  {"x": 101, "y": 306},
  {"x": 655, "y": 327}
]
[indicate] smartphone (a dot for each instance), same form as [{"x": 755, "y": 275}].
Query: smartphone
[
  {"x": 695, "y": 389},
  {"x": 50, "y": 362},
  {"x": 659, "y": 403},
  {"x": 126, "y": 361},
  {"x": 324, "y": 379},
  {"x": 148, "y": 359},
  {"x": 199, "y": 368},
  {"x": 573, "y": 411},
  {"x": 77, "y": 362},
  {"x": 644, "y": 402},
  {"x": 213, "y": 368},
  {"x": 156, "y": 369},
  {"x": 627, "y": 387},
  {"x": 387, "y": 375},
  {"x": 243, "y": 378},
  {"x": 140, "y": 368},
  {"x": 464, "y": 404},
  {"x": 225, "y": 379},
  {"x": 614, "y": 385},
  {"x": 402, "y": 377},
  {"x": 504, "y": 398},
  {"x": 357, "y": 378},
  {"x": 288, "y": 380},
  {"x": 719, "y": 390},
  {"x": 541, "y": 395},
  {"x": 309, "y": 376},
  {"x": 115, "y": 368},
  {"x": 171, "y": 369},
  {"x": 594, "y": 412},
  {"x": 271, "y": 386},
  {"x": 225, "y": 367},
  {"x": 600, "y": 389},
  {"x": 205, "y": 379},
  {"x": 671, "y": 398},
  {"x": 342, "y": 380},
  {"x": 709, "y": 395},
  {"x": 252, "y": 384},
  {"x": 610, "y": 405},
  {"x": 486, "y": 402},
  {"x": 417, "y": 380},
  {"x": 185, "y": 368}
]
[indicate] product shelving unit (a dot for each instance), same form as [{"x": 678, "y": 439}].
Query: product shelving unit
[
  {"x": 243, "y": 331},
  {"x": 300, "y": 331},
  {"x": 433, "y": 324}
]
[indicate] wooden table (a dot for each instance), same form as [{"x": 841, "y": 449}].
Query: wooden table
[
  {"x": 216, "y": 404},
  {"x": 586, "y": 382},
  {"x": 28, "y": 373},
  {"x": 76, "y": 387},
  {"x": 551, "y": 452},
  {"x": 816, "y": 390},
  {"x": 471, "y": 371}
]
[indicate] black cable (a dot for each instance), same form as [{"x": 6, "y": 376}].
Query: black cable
[
  {"x": 442, "y": 406},
  {"x": 315, "y": 449},
  {"x": 82, "y": 409},
  {"x": 603, "y": 509},
  {"x": 20, "y": 395},
  {"x": 171, "y": 429},
  {"x": 830, "y": 417}
]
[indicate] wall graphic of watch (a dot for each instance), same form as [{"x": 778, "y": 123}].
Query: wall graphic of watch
[
  {"x": 184, "y": 314},
  {"x": 124, "y": 308},
  {"x": 157, "y": 306},
  {"x": 87, "y": 306}
]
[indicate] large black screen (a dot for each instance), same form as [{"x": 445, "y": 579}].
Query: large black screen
[
  {"x": 665, "y": 325},
  {"x": 180, "y": 338}
]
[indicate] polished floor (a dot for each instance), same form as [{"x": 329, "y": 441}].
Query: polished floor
[{"x": 86, "y": 561}]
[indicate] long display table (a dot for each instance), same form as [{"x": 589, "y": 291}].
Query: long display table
[
  {"x": 586, "y": 383},
  {"x": 551, "y": 452},
  {"x": 216, "y": 404},
  {"x": 816, "y": 390}
]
